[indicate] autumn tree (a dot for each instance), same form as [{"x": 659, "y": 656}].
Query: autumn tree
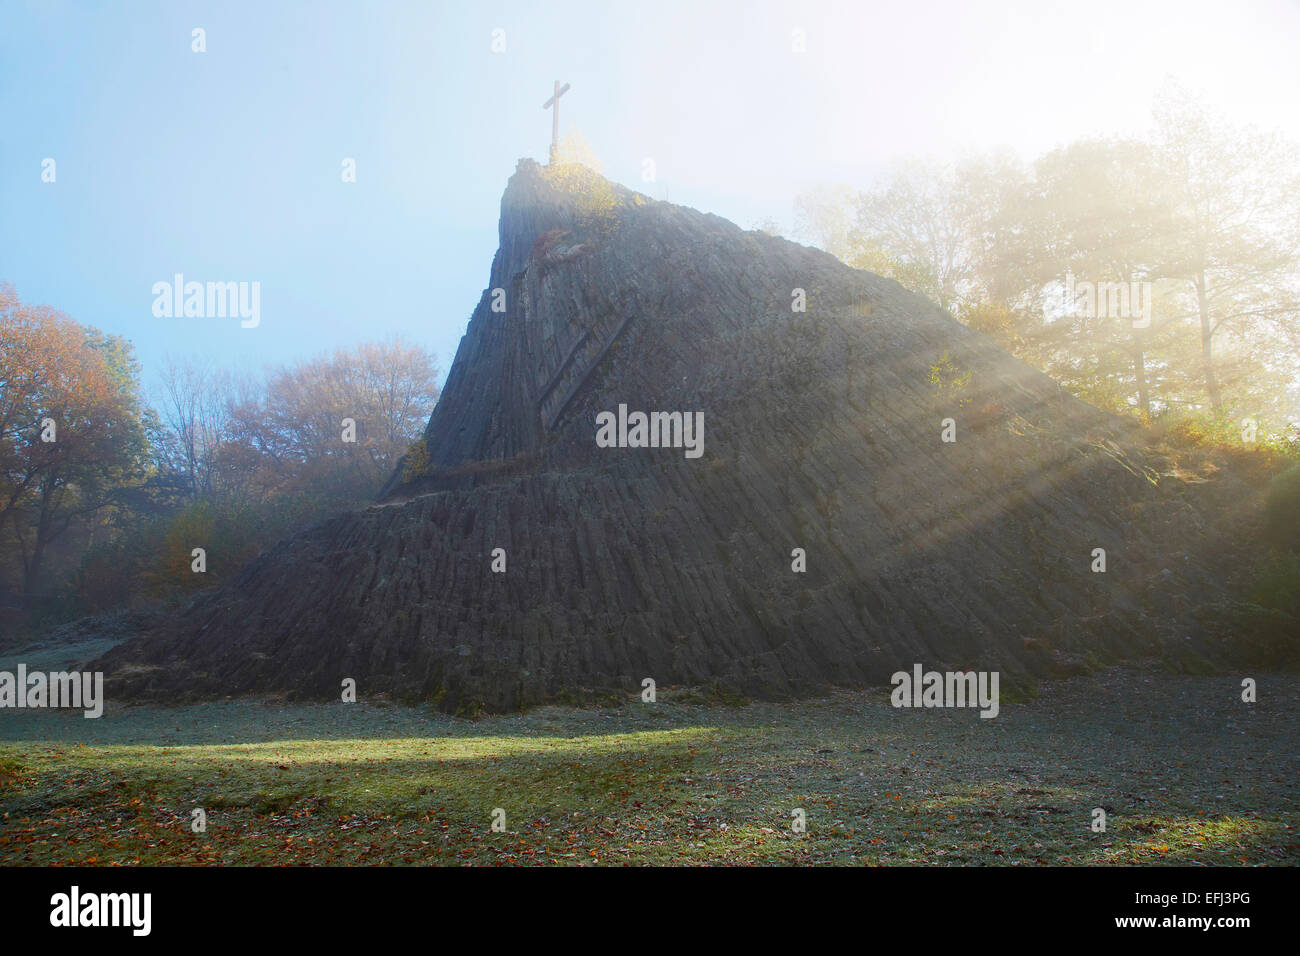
[
  {"x": 1092, "y": 217},
  {"x": 1200, "y": 218},
  {"x": 72, "y": 429},
  {"x": 1235, "y": 242},
  {"x": 911, "y": 229},
  {"x": 337, "y": 424}
]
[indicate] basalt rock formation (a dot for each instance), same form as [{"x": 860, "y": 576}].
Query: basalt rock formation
[{"x": 823, "y": 431}]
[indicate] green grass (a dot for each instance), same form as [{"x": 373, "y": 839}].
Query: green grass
[{"x": 1186, "y": 772}]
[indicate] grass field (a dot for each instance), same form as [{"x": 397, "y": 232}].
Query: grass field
[{"x": 1186, "y": 772}]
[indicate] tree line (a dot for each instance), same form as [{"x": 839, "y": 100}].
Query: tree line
[
  {"x": 1155, "y": 275},
  {"x": 107, "y": 486}
]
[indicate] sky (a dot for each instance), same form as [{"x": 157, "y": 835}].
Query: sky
[{"x": 226, "y": 165}]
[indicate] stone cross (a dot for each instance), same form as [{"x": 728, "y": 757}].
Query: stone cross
[{"x": 554, "y": 101}]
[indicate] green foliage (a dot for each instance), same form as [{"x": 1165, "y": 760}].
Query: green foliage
[
  {"x": 1278, "y": 585},
  {"x": 416, "y": 463},
  {"x": 947, "y": 376},
  {"x": 1282, "y": 514},
  {"x": 576, "y": 172},
  {"x": 1193, "y": 440}
]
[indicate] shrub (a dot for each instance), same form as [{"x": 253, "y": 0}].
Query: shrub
[
  {"x": 576, "y": 172},
  {"x": 230, "y": 541},
  {"x": 1195, "y": 439},
  {"x": 416, "y": 463},
  {"x": 1278, "y": 584},
  {"x": 1282, "y": 510}
]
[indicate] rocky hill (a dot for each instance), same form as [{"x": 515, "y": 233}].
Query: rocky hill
[{"x": 823, "y": 430}]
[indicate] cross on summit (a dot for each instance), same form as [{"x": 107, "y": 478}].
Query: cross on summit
[{"x": 554, "y": 101}]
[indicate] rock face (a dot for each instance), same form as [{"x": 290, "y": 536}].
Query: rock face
[{"x": 822, "y": 431}]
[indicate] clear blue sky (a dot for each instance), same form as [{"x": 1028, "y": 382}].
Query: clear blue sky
[{"x": 225, "y": 165}]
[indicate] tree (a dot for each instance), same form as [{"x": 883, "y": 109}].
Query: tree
[
  {"x": 290, "y": 437},
  {"x": 824, "y": 214},
  {"x": 1094, "y": 218},
  {"x": 72, "y": 430},
  {"x": 195, "y": 400},
  {"x": 912, "y": 230},
  {"x": 1200, "y": 219},
  {"x": 1235, "y": 199}
]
